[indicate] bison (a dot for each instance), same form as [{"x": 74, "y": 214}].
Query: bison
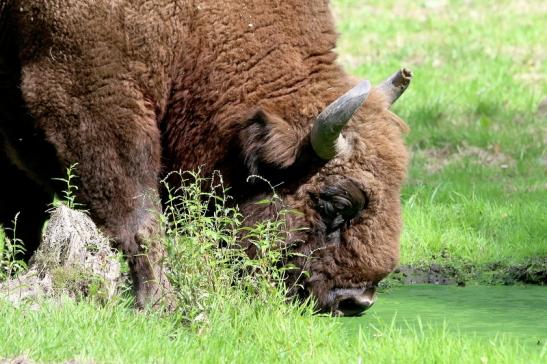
[{"x": 132, "y": 89}]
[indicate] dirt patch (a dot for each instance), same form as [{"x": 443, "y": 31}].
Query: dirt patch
[
  {"x": 530, "y": 188},
  {"x": 542, "y": 109},
  {"x": 25, "y": 360},
  {"x": 18, "y": 360},
  {"x": 438, "y": 158}
]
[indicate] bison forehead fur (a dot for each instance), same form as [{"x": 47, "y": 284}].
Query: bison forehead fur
[{"x": 130, "y": 90}]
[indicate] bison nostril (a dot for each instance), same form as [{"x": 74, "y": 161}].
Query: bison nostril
[{"x": 354, "y": 306}]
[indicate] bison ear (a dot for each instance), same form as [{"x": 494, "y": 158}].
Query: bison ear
[{"x": 268, "y": 141}]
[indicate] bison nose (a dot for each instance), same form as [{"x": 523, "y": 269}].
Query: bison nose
[
  {"x": 355, "y": 305},
  {"x": 352, "y": 301}
]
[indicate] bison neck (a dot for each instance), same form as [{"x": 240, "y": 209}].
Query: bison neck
[{"x": 241, "y": 55}]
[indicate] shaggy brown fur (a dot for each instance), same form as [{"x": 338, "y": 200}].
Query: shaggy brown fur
[{"x": 131, "y": 89}]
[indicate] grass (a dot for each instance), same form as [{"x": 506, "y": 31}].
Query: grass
[
  {"x": 239, "y": 332},
  {"x": 476, "y": 190}
]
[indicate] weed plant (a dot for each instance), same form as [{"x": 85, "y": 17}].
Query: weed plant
[
  {"x": 207, "y": 245},
  {"x": 11, "y": 248}
]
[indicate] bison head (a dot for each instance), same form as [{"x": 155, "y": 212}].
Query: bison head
[{"x": 342, "y": 172}]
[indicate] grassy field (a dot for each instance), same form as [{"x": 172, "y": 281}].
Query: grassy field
[
  {"x": 238, "y": 332},
  {"x": 476, "y": 192},
  {"x": 478, "y": 112}
]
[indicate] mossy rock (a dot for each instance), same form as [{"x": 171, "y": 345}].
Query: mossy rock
[{"x": 74, "y": 259}]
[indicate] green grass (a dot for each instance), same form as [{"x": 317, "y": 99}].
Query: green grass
[
  {"x": 476, "y": 187},
  {"x": 238, "y": 332},
  {"x": 476, "y": 190}
]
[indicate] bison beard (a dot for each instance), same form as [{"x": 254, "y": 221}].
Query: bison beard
[{"x": 130, "y": 90}]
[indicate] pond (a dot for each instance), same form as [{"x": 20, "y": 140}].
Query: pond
[{"x": 518, "y": 312}]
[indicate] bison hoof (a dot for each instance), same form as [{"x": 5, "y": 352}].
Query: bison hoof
[{"x": 156, "y": 295}]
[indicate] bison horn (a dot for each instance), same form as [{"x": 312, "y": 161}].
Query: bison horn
[
  {"x": 325, "y": 134},
  {"x": 393, "y": 87}
]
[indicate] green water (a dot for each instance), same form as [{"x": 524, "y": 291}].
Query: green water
[{"x": 518, "y": 312}]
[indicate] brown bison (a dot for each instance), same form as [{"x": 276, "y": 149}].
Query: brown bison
[{"x": 132, "y": 89}]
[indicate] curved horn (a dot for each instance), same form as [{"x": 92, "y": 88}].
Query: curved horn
[
  {"x": 394, "y": 86},
  {"x": 325, "y": 133}
]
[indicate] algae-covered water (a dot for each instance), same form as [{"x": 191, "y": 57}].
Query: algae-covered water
[{"x": 518, "y": 312}]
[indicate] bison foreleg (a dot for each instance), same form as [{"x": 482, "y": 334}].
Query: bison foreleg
[
  {"x": 146, "y": 257},
  {"x": 111, "y": 134}
]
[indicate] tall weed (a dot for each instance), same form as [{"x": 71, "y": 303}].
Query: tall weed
[
  {"x": 11, "y": 249},
  {"x": 207, "y": 262}
]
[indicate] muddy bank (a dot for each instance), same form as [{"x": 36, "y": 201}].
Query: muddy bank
[{"x": 532, "y": 271}]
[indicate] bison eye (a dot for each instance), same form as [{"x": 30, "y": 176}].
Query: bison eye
[{"x": 339, "y": 204}]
